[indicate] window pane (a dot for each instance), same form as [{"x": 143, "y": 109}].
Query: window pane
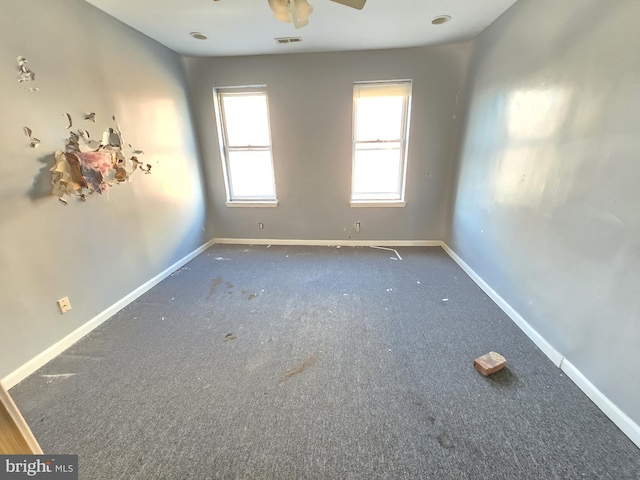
[
  {"x": 251, "y": 174},
  {"x": 246, "y": 119},
  {"x": 379, "y": 118},
  {"x": 376, "y": 173}
]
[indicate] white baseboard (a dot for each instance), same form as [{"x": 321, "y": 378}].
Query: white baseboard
[
  {"x": 328, "y": 243},
  {"x": 56, "y": 349},
  {"x": 538, "y": 339},
  {"x": 617, "y": 416}
]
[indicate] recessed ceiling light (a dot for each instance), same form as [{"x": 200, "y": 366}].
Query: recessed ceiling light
[
  {"x": 198, "y": 35},
  {"x": 440, "y": 19}
]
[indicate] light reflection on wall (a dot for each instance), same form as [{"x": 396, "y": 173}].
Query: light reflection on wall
[
  {"x": 529, "y": 162},
  {"x": 522, "y": 175},
  {"x": 163, "y": 141},
  {"x": 536, "y": 114},
  {"x": 163, "y": 118}
]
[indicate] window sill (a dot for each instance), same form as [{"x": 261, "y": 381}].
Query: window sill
[
  {"x": 252, "y": 204},
  {"x": 377, "y": 203}
]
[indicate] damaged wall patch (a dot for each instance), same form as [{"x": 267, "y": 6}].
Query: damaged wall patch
[{"x": 87, "y": 166}]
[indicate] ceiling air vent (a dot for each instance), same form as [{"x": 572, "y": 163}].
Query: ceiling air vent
[{"x": 283, "y": 40}]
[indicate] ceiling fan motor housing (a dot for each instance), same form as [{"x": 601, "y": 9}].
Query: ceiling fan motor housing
[{"x": 298, "y": 11}]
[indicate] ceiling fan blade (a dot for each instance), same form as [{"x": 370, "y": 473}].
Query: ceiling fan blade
[
  {"x": 280, "y": 10},
  {"x": 300, "y": 23},
  {"x": 358, "y": 4},
  {"x": 300, "y": 11}
]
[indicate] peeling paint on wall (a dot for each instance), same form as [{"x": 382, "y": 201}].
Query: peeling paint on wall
[
  {"x": 86, "y": 166},
  {"x": 34, "y": 142},
  {"x": 25, "y": 74}
]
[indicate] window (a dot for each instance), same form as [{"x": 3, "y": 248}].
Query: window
[
  {"x": 245, "y": 144},
  {"x": 380, "y": 139}
]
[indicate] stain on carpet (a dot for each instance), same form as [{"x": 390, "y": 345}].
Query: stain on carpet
[
  {"x": 304, "y": 366},
  {"x": 252, "y": 296},
  {"x": 214, "y": 284},
  {"x": 445, "y": 440}
]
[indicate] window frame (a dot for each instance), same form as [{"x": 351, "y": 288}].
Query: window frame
[
  {"x": 225, "y": 148},
  {"x": 403, "y": 140}
]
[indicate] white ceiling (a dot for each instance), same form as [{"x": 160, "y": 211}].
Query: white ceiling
[{"x": 247, "y": 27}]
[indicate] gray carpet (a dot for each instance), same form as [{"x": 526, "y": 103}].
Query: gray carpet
[{"x": 317, "y": 363}]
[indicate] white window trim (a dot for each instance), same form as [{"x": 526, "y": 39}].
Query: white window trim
[
  {"x": 224, "y": 148},
  {"x": 376, "y": 204},
  {"x": 251, "y": 203},
  {"x": 400, "y": 202}
]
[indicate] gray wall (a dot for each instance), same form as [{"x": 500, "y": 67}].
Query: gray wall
[
  {"x": 548, "y": 197},
  {"x": 311, "y": 114},
  {"x": 99, "y": 251}
]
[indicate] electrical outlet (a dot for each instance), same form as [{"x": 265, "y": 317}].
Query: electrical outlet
[
  {"x": 64, "y": 305},
  {"x": 357, "y": 227},
  {"x": 261, "y": 225}
]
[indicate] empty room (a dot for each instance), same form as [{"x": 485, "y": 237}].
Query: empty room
[{"x": 324, "y": 239}]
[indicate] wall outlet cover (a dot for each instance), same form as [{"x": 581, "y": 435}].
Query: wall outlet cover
[{"x": 64, "y": 305}]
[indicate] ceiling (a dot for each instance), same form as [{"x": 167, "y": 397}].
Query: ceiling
[{"x": 248, "y": 27}]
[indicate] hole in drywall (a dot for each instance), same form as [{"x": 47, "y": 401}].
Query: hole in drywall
[
  {"x": 439, "y": 20},
  {"x": 198, "y": 35}
]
